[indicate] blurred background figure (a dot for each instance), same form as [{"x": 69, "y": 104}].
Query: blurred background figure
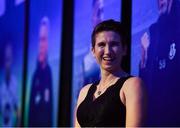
[
  {"x": 159, "y": 65},
  {"x": 40, "y": 113},
  {"x": 9, "y": 108}
]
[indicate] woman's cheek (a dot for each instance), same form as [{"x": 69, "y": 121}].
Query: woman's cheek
[{"x": 100, "y": 50}]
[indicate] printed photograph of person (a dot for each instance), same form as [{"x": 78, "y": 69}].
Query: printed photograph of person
[
  {"x": 159, "y": 64},
  {"x": 40, "y": 110},
  {"x": 9, "y": 103}
]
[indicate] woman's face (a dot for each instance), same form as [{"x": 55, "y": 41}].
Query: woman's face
[{"x": 108, "y": 50}]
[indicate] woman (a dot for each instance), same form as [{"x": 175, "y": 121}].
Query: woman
[{"x": 118, "y": 99}]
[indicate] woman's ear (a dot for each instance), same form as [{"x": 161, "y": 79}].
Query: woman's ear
[{"x": 92, "y": 51}]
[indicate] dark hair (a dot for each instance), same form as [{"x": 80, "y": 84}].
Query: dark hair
[{"x": 109, "y": 25}]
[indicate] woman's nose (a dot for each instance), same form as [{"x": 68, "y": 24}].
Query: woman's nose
[{"x": 107, "y": 50}]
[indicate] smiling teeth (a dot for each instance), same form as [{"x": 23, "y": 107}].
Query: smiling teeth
[{"x": 108, "y": 59}]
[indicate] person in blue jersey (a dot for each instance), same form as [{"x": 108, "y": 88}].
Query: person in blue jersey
[
  {"x": 41, "y": 100},
  {"x": 159, "y": 65},
  {"x": 117, "y": 99},
  {"x": 9, "y": 103}
]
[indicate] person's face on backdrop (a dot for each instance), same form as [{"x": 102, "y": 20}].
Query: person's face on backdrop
[
  {"x": 108, "y": 50},
  {"x": 43, "y": 46},
  {"x": 163, "y": 6}
]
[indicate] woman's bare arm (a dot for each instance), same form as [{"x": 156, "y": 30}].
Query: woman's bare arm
[{"x": 135, "y": 101}]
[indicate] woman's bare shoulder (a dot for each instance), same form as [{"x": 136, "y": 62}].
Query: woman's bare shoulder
[
  {"x": 133, "y": 84},
  {"x": 85, "y": 89},
  {"x": 83, "y": 93}
]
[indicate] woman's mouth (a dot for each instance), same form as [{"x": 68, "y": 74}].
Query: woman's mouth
[{"x": 108, "y": 58}]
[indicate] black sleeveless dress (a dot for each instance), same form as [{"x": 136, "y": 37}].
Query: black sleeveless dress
[{"x": 105, "y": 111}]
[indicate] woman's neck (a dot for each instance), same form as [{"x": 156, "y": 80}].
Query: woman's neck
[{"x": 107, "y": 76}]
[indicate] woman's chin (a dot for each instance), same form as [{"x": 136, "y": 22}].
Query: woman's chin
[{"x": 109, "y": 68}]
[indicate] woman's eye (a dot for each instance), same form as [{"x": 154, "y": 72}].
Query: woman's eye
[
  {"x": 115, "y": 43},
  {"x": 101, "y": 44}
]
